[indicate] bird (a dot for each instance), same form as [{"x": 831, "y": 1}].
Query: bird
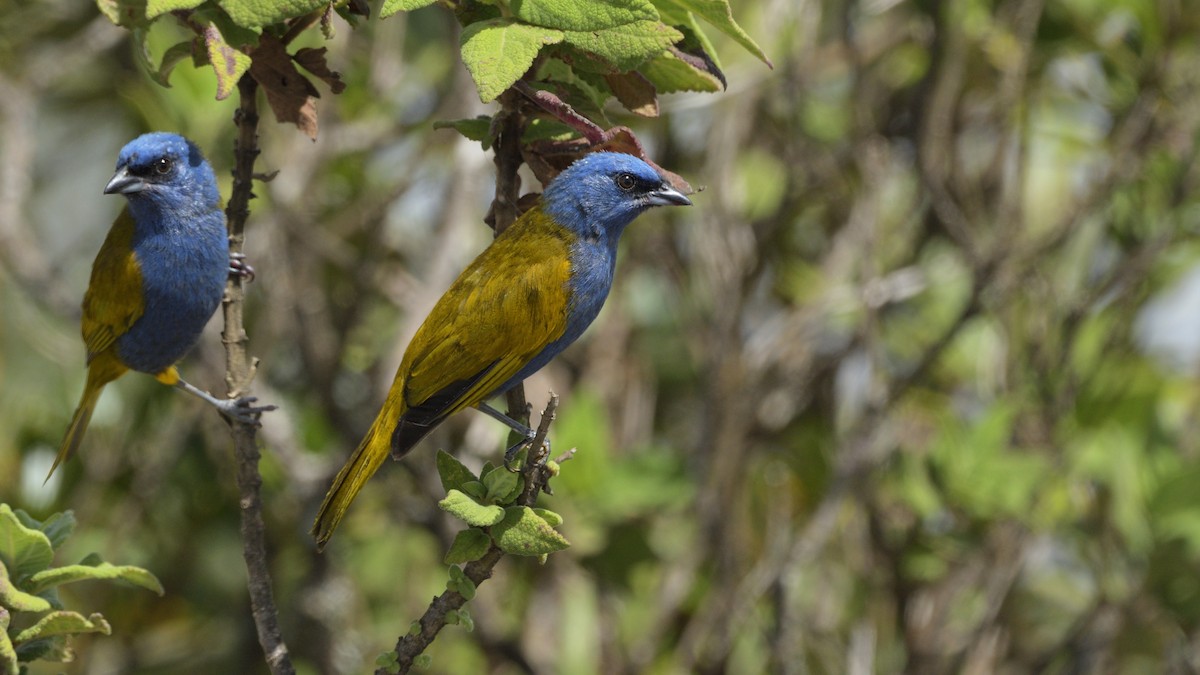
[
  {"x": 158, "y": 277},
  {"x": 530, "y": 294}
]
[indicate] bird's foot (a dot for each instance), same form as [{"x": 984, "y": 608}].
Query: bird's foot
[
  {"x": 240, "y": 268},
  {"x": 512, "y": 451},
  {"x": 243, "y": 410}
]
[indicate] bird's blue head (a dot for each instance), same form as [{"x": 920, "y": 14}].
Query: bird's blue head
[
  {"x": 601, "y": 193},
  {"x": 160, "y": 170}
]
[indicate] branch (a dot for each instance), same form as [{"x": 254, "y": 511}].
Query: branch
[
  {"x": 537, "y": 476},
  {"x": 239, "y": 372}
]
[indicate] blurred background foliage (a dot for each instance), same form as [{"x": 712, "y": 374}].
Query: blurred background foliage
[{"x": 912, "y": 388}]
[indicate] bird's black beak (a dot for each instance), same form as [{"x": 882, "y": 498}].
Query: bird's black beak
[
  {"x": 124, "y": 183},
  {"x": 666, "y": 195}
]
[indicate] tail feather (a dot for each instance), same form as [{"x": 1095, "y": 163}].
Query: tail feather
[
  {"x": 365, "y": 461},
  {"x": 79, "y": 422}
]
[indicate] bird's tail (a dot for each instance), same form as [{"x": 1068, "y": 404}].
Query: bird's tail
[
  {"x": 365, "y": 461},
  {"x": 83, "y": 415}
]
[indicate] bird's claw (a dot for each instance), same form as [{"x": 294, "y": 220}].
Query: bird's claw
[
  {"x": 240, "y": 268},
  {"x": 240, "y": 409},
  {"x": 512, "y": 451}
]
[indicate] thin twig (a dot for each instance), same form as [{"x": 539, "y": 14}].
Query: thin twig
[
  {"x": 239, "y": 372},
  {"x": 537, "y": 475}
]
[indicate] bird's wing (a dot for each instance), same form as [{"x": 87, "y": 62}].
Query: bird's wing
[
  {"x": 114, "y": 298},
  {"x": 500, "y": 313}
]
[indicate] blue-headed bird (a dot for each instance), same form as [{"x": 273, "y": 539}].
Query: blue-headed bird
[
  {"x": 158, "y": 277},
  {"x": 528, "y": 295}
]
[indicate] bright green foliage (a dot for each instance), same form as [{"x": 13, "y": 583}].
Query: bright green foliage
[
  {"x": 391, "y": 7},
  {"x": 524, "y": 532},
  {"x": 497, "y": 52},
  {"x": 627, "y": 46},
  {"x": 154, "y": 8},
  {"x": 28, "y": 586},
  {"x": 585, "y": 15},
  {"x": 459, "y": 583},
  {"x": 260, "y": 13},
  {"x": 720, "y": 14},
  {"x": 469, "y": 544},
  {"x": 462, "y": 506}
]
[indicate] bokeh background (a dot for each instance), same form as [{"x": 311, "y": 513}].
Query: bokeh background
[{"x": 911, "y": 389}]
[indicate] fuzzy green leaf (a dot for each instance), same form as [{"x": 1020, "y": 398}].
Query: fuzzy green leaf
[
  {"x": 454, "y": 474},
  {"x": 156, "y": 8},
  {"x": 470, "y": 511},
  {"x": 57, "y": 527},
  {"x": 23, "y": 550},
  {"x": 391, "y": 7},
  {"x": 497, "y": 52},
  {"x": 228, "y": 63},
  {"x": 720, "y": 15},
  {"x": 583, "y": 15},
  {"x": 500, "y": 484},
  {"x": 672, "y": 71},
  {"x": 18, "y": 600},
  {"x": 469, "y": 544},
  {"x": 523, "y": 532},
  {"x": 127, "y": 13},
  {"x": 259, "y": 13},
  {"x": 8, "y": 655},
  {"x": 460, "y": 583},
  {"x": 475, "y": 489},
  {"x": 64, "y": 623},
  {"x": 551, "y": 518},
  {"x": 72, "y": 573},
  {"x": 628, "y": 46}
]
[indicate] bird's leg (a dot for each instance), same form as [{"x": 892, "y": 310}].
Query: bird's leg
[
  {"x": 239, "y": 267},
  {"x": 239, "y": 409},
  {"x": 516, "y": 426}
]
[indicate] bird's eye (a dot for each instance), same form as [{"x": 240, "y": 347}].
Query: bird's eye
[
  {"x": 163, "y": 166},
  {"x": 625, "y": 181}
]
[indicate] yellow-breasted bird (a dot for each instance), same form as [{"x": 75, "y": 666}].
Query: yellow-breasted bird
[
  {"x": 528, "y": 295},
  {"x": 158, "y": 277}
]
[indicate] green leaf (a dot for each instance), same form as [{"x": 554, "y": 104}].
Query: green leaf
[
  {"x": 127, "y": 13},
  {"x": 497, "y": 52},
  {"x": 454, "y": 474},
  {"x": 422, "y": 661},
  {"x": 551, "y": 518},
  {"x": 465, "y": 620},
  {"x": 475, "y": 489},
  {"x": 8, "y": 655},
  {"x": 672, "y": 71},
  {"x": 476, "y": 129},
  {"x": 156, "y": 8},
  {"x": 18, "y": 600},
  {"x": 523, "y": 532},
  {"x": 720, "y": 15},
  {"x": 470, "y": 511},
  {"x": 460, "y": 583},
  {"x": 583, "y": 15},
  {"x": 628, "y": 46},
  {"x": 500, "y": 484},
  {"x": 387, "y": 659},
  {"x": 72, "y": 573},
  {"x": 469, "y": 544},
  {"x": 63, "y": 623},
  {"x": 23, "y": 550},
  {"x": 228, "y": 63},
  {"x": 160, "y": 73},
  {"x": 391, "y": 7},
  {"x": 57, "y": 527},
  {"x": 259, "y": 13}
]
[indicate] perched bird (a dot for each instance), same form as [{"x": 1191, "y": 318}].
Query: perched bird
[
  {"x": 158, "y": 277},
  {"x": 527, "y": 296}
]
